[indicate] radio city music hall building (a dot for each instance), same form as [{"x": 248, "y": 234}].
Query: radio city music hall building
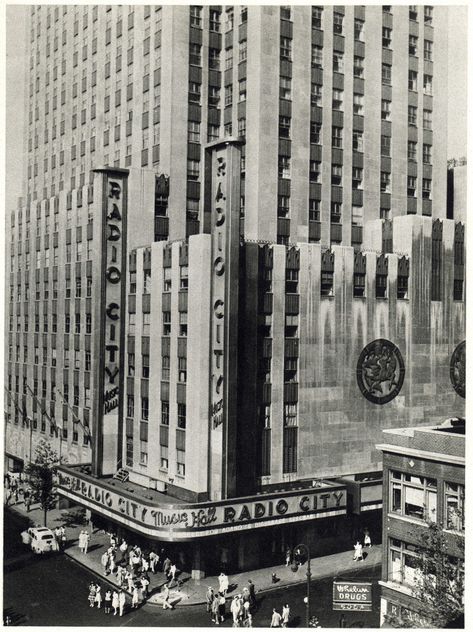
[{"x": 225, "y": 313}]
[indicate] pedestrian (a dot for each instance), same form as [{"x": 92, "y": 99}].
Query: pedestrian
[
  {"x": 235, "y": 610},
  {"x": 215, "y": 608},
  {"x": 172, "y": 572},
  {"x": 252, "y": 591},
  {"x": 57, "y": 535},
  {"x": 246, "y": 611},
  {"x": 165, "y": 598},
  {"x": 98, "y": 597},
  {"x": 209, "y": 597},
  {"x": 221, "y": 607},
  {"x": 63, "y": 537},
  {"x": 27, "y": 500},
  {"x": 358, "y": 554},
  {"x": 223, "y": 583},
  {"x": 107, "y": 602},
  {"x": 115, "y": 602},
  {"x": 104, "y": 562},
  {"x": 81, "y": 541},
  {"x": 342, "y": 622},
  {"x": 86, "y": 541},
  {"x": 288, "y": 557},
  {"x": 249, "y": 621},
  {"x": 144, "y": 565},
  {"x": 275, "y": 619},
  {"x": 120, "y": 575},
  {"x": 122, "y": 601},
  {"x": 92, "y": 593},
  {"x": 129, "y": 580},
  {"x": 111, "y": 562},
  {"x": 135, "y": 596},
  {"x": 152, "y": 562},
  {"x": 145, "y": 584},
  {"x": 367, "y": 539},
  {"x": 286, "y": 611}
]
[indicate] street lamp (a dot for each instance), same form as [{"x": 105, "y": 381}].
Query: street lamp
[{"x": 308, "y": 574}]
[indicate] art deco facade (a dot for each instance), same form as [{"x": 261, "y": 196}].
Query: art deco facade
[{"x": 255, "y": 194}]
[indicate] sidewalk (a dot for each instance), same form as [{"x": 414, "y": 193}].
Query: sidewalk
[{"x": 193, "y": 591}]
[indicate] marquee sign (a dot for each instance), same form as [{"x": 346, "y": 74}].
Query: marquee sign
[
  {"x": 110, "y": 341},
  {"x": 185, "y": 521}
]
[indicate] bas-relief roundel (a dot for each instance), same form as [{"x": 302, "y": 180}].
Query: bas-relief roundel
[
  {"x": 457, "y": 369},
  {"x": 380, "y": 371}
]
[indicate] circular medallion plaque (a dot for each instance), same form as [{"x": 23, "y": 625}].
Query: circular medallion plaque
[
  {"x": 380, "y": 371},
  {"x": 457, "y": 369}
]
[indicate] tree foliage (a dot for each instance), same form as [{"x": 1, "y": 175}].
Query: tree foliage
[
  {"x": 41, "y": 474},
  {"x": 439, "y": 583}
]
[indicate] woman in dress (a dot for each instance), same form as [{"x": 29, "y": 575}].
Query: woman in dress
[
  {"x": 92, "y": 593},
  {"x": 115, "y": 603}
]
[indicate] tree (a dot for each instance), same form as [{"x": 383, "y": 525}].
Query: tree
[
  {"x": 439, "y": 583},
  {"x": 41, "y": 476}
]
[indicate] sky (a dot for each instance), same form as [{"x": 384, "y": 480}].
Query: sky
[{"x": 15, "y": 88}]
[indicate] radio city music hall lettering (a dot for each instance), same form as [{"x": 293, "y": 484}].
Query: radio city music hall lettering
[{"x": 113, "y": 276}]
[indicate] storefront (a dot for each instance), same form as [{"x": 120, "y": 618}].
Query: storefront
[{"x": 235, "y": 534}]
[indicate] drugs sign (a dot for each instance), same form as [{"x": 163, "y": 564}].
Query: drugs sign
[{"x": 352, "y": 596}]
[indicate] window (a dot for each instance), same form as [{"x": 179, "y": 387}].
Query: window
[
  {"x": 386, "y": 74},
  {"x": 284, "y": 126},
  {"x": 284, "y": 167},
  {"x": 359, "y": 284},
  {"x": 214, "y": 97},
  {"x": 243, "y": 51},
  {"x": 386, "y": 37},
  {"x": 165, "y": 413},
  {"x": 285, "y": 12},
  {"x": 411, "y": 186},
  {"x": 193, "y": 167},
  {"x": 184, "y": 277},
  {"x": 335, "y": 212},
  {"x": 214, "y": 21},
  {"x": 289, "y": 445},
  {"x": 337, "y": 62},
  {"x": 284, "y": 87},
  {"x": 314, "y": 210},
  {"x": 385, "y": 110},
  {"x": 403, "y": 562},
  {"x": 316, "y": 94},
  {"x": 413, "y": 45},
  {"x": 228, "y": 95},
  {"x": 183, "y": 323},
  {"x": 194, "y": 92},
  {"x": 357, "y": 178},
  {"x": 337, "y": 99},
  {"x": 381, "y": 285},
  {"x": 182, "y": 369},
  {"x": 359, "y": 26},
  {"x": 337, "y": 173},
  {"x": 243, "y": 15},
  {"x": 229, "y": 21},
  {"x": 411, "y": 150},
  {"x": 413, "y": 496},
  {"x": 242, "y": 90},
  {"x": 314, "y": 171},
  {"x": 428, "y": 49},
  {"x": 385, "y": 182},
  {"x": 284, "y": 205},
  {"x": 228, "y": 58},
  {"x": 195, "y": 16},
  {"x": 181, "y": 416},
  {"x": 428, "y": 14},
  {"x": 427, "y": 154},
  {"x": 212, "y": 132},
  {"x": 180, "y": 462},
  {"x": 413, "y": 12},
  {"x": 195, "y": 57},
  {"x": 412, "y": 115},
  {"x": 454, "y": 507},
  {"x": 412, "y": 82},
  {"x": 427, "y": 84},
  {"x": 426, "y": 188},
  {"x": 337, "y": 136},
  {"x": 358, "y": 141},
  {"x": 427, "y": 119},
  {"x": 385, "y": 145},
  {"x": 338, "y": 23},
  {"x": 315, "y": 129},
  {"x": 166, "y": 323},
  {"x": 358, "y": 104},
  {"x": 285, "y": 47},
  {"x": 317, "y": 13},
  {"x": 144, "y": 408},
  {"x": 317, "y": 56},
  {"x": 143, "y": 453},
  {"x": 402, "y": 286}
]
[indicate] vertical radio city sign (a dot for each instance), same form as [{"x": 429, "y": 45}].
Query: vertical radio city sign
[
  {"x": 222, "y": 199},
  {"x": 110, "y": 341}
]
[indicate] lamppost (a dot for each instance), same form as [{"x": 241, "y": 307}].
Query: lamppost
[{"x": 308, "y": 574}]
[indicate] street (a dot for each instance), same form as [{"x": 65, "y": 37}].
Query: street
[{"x": 53, "y": 590}]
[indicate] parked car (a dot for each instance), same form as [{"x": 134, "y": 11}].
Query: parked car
[{"x": 41, "y": 539}]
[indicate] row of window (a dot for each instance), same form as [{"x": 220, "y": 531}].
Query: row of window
[{"x": 54, "y": 430}]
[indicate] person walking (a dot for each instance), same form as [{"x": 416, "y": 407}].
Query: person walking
[
  {"x": 165, "y": 598},
  {"x": 172, "y": 572},
  {"x": 107, "y": 602},
  {"x": 221, "y": 607},
  {"x": 27, "y": 500},
  {"x": 129, "y": 580},
  {"x": 86, "y": 541},
  {"x": 209, "y": 597},
  {"x": 153, "y": 560},
  {"x": 92, "y": 593},
  {"x": 135, "y": 597},
  {"x": 166, "y": 566},
  {"x": 288, "y": 557},
  {"x": 235, "y": 610},
  {"x": 63, "y": 537},
  {"x": 286, "y": 611},
  {"x": 215, "y": 607},
  {"x": 98, "y": 597},
  {"x": 115, "y": 602},
  {"x": 275, "y": 619},
  {"x": 358, "y": 554},
  {"x": 252, "y": 592},
  {"x": 122, "y": 601},
  {"x": 104, "y": 562},
  {"x": 144, "y": 585},
  {"x": 81, "y": 541},
  {"x": 223, "y": 583}
]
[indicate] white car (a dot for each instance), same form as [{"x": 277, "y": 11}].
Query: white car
[{"x": 41, "y": 539}]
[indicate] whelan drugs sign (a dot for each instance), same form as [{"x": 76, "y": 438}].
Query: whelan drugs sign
[{"x": 352, "y": 596}]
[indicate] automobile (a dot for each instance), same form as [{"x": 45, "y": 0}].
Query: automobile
[{"x": 41, "y": 539}]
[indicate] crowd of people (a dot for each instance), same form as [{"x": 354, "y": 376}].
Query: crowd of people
[
  {"x": 112, "y": 599},
  {"x": 241, "y": 606},
  {"x": 16, "y": 491}
]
